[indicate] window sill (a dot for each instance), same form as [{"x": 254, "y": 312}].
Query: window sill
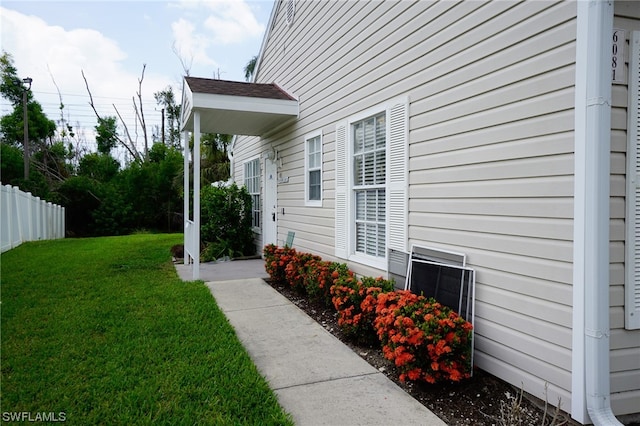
[
  {"x": 374, "y": 262},
  {"x": 313, "y": 203}
]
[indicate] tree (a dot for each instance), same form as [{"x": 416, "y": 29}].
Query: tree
[
  {"x": 249, "y": 69},
  {"x": 215, "y": 164},
  {"x": 9, "y": 75},
  {"x": 12, "y": 125},
  {"x": 101, "y": 167},
  {"x": 166, "y": 99},
  {"x": 40, "y": 133},
  {"x": 11, "y": 164},
  {"x": 129, "y": 144},
  {"x": 107, "y": 134}
]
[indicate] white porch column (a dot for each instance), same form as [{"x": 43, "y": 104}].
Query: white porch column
[
  {"x": 196, "y": 193},
  {"x": 185, "y": 216}
]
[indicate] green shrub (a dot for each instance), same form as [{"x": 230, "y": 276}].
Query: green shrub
[
  {"x": 297, "y": 270},
  {"x": 355, "y": 318},
  {"x": 276, "y": 260},
  {"x": 225, "y": 214},
  {"x": 319, "y": 279}
]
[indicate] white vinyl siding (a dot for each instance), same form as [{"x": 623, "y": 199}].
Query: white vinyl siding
[
  {"x": 632, "y": 281},
  {"x": 487, "y": 164},
  {"x": 313, "y": 170},
  {"x": 625, "y": 335},
  {"x": 252, "y": 182}
]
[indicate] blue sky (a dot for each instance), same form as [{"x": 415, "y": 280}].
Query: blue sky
[{"x": 111, "y": 40}]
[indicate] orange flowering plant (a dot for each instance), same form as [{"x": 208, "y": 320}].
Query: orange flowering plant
[
  {"x": 276, "y": 260},
  {"x": 355, "y": 317},
  {"x": 425, "y": 340},
  {"x": 297, "y": 270},
  {"x": 319, "y": 279}
]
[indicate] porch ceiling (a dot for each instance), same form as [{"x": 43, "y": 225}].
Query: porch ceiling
[{"x": 235, "y": 108}]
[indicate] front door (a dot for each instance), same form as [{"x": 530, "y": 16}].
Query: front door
[{"x": 270, "y": 205}]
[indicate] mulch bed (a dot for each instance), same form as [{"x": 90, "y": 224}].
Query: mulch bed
[{"x": 479, "y": 401}]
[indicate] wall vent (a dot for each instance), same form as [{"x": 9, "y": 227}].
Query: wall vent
[
  {"x": 397, "y": 268},
  {"x": 291, "y": 10}
]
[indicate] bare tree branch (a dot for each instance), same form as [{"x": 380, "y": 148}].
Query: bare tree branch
[
  {"x": 132, "y": 149},
  {"x": 62, "y": 120},
  {"x": 140, "y": 116},
  {"x": 186, "y": 68}
]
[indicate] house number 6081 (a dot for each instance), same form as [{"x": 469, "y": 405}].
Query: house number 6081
[{"x": 617, "y": 56}]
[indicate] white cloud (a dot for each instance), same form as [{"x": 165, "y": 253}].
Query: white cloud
[
  {"x": 232, "y": 21},
  {"x": 190, "y": 47},
  {"x": 44, "y": 51},
  {"x": 213, "y": 23}
]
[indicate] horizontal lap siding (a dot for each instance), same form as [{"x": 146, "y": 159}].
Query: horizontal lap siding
[
  {"x": 625, "y": 344},
  {"x": 491, "y": 119},
  {"x": 491, "y": 175},
  {"x": 321, "y": 59}
]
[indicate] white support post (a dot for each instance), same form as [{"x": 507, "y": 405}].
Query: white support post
[
  {"x": 196, "y": 194},
  {"x": 185, "y": 217}
]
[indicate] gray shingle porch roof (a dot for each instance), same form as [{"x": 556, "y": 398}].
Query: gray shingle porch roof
[{"x": 236, "y": 108}]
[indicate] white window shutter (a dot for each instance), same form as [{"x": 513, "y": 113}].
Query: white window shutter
[
  {"x": 632, "y": 282},
  {"x": 398, "y": 176},
  {"x": 342, "y": 218}
]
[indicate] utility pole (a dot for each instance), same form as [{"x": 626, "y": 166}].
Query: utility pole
[
  {"x": 163, "y": 142},
  {"x": 25, "y": 118}
]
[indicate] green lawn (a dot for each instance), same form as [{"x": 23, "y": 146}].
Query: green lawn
[{"x": 104, "y": 331}]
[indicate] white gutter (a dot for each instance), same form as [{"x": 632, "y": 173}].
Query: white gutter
[{"x": 591, "y": 370}]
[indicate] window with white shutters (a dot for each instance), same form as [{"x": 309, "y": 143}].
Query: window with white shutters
[
  {"x": 371, "y": 180},
  {"x": 632, "y": 281}
]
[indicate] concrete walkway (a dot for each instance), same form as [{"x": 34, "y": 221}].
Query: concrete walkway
[{"x": 317, "y": 378}]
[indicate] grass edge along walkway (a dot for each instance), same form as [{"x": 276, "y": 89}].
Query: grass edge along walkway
[{"x": 102, "y": 331}]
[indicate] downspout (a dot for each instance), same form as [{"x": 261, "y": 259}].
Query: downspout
[{"x": 591, "y": 213}]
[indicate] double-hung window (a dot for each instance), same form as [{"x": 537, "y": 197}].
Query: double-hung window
[
  {"x": 370, "y": 184},
  {"x": 313, "y": 170},
  {"x": 252, "y": 182}
]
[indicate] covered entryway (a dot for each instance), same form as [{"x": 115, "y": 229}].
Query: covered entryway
[{"x": 227, "y": 107}]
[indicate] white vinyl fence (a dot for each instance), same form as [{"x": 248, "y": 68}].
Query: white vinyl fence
[{"x": 24, "y": 217}]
